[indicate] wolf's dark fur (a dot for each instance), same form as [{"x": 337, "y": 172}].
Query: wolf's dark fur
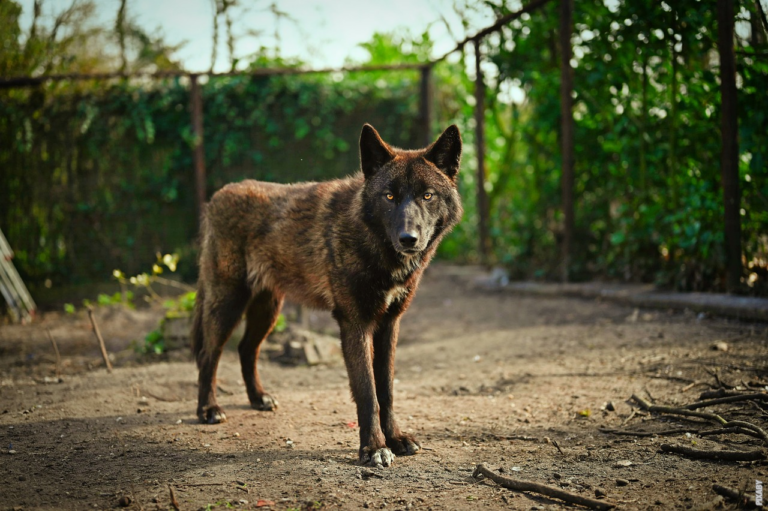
[{"x": 356, "y": 246}]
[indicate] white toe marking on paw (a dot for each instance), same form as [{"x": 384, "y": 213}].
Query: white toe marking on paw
[{"x": 382, "y": 458}]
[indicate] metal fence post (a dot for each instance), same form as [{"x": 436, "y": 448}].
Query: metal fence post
[{"x": 198, "y": 152}]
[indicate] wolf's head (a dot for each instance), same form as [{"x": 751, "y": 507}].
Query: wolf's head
[{"x": 411, "y": 196}]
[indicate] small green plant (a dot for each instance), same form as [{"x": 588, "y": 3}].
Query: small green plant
[
  {"x": 180, "y": 306},
  {"x": 69, "y": 308},
  {"x": 154, "y": 341},
  {"x": 280, "y": 324}
]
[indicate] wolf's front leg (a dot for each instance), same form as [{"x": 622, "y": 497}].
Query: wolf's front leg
[
  {"x": 384, "y": 344},
  {"x": 356, "y": 345}
]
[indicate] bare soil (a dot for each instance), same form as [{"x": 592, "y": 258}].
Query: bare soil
[{"x": 517, "y": 382}]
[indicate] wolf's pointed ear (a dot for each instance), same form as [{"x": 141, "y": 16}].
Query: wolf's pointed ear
[
  {"x": 374, "y": 152},
  {"x": 445, "y": 152}
]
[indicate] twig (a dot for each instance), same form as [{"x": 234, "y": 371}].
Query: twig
[
  {"x": 541, "y": 489},
  {"x": 56, "y": 349},
  {"x": 715, "y": 455},
  {"x": 670, "y": 432},
  {"x": 630, "y": 417},
  {"x": 648, "y": 433},
  {"x": 713, "y": 417},
  {"x": 710, "y": 394},
  {"x": 101, "y": 340},
  {"x": 720, "y": 383},
  {"x": 728, "y": 399},
  {"x": 693, "y": 384},
  {"x": 557, "y": 446},
  {"x": 174, "y": 502},
  {"x": 741, "y": 499}
]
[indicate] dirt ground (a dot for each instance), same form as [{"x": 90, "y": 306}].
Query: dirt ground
[{"x": 517, "y": 382}]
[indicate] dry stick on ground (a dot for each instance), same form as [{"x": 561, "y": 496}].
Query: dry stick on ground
[
  {"x": 629, "y": 418},
  {"x": 709, "y": 394},
  {"x": 715, "y": 455},
  {"x": 742, "y": 500},
  {"x": 56, "y": 349},
  {"x": 713, "y": 417},
  {"x": 101, "y": 340},
  {"x": 174, "y": 502},
  {"x": 670, "y": 432},
  {"x": 693, "y": 384},
  {"x": 542, "y": 489},
  {"x": 728, "y": 399}
]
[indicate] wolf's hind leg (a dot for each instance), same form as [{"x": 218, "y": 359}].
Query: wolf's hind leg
[
  {"x": 261, "y": 317},
  {"x": 221, "y": 310}
]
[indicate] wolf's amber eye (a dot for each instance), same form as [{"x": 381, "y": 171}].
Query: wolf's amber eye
[
  {"x": 390, "y": 196},
  {"x": 427, "y": 196}
]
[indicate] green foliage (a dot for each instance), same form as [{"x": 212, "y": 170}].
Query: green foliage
[
  {"x": 647, "y": 144},
  {"x": 181, "y": 306},
  {"x": 281, "y": 324},
  {"x": 154, "y": 343},
  {"x": 97, "y": 180},
  {"x": 100, "y": 174}
]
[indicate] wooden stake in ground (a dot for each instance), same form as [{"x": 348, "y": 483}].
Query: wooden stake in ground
[
  {"x": 541, "y": 489},
  {"x": 101, "y": 340},
  {"x": 58, "y": 355}
]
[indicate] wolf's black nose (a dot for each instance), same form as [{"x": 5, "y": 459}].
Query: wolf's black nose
[{"x": 408, "y": 240}]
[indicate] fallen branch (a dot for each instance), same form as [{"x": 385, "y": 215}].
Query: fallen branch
[
  {"x": 56, "y": 349},
  {"x": 665, "y": 432},
  {"x": 709, "y": 394},
  {"x": 101, "y": 340},
  {"x": 670, "y": 432},
  {"x": 747, "y": 427},
  {"x": 741, "y": 499},
  {"x": 541, "y": 489},
  {"x": 714, "y": 455},
  {"x": 727, "y": 399}
]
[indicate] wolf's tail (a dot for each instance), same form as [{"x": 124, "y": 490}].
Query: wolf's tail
[{"x": 197, "y": 324}]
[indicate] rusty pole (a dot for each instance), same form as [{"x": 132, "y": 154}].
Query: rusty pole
[
  {"x": 729, "y": 156},
  {"x": 198, "y": 153},
  {"x": 566, "y": 134},
  {"x": 482, "y": 197},
  {"x": 426, "y": 104}
]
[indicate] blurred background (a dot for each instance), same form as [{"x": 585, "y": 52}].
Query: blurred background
[{"x": 100, "y": 174}]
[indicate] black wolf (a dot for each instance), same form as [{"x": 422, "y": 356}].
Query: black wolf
[{"x": 356, "y": 246}]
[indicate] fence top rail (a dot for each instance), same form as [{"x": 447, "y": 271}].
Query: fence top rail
[{"x": 31, "y": 81}]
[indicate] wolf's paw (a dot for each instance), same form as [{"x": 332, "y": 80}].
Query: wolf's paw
[
  {"x": 404, "y": 445},
  {"x": 382, "y": 457},
  {"x": 265, "y": 403},
  {"x": 211, "y": 415}
]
